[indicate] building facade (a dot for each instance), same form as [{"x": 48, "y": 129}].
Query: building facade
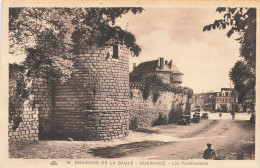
[
  {"x": 167, "y": 71},
  {"x": 206, "y": 101},
  {"x": 226, "y": 100}
]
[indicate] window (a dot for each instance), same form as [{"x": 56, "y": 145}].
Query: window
[{"x": 115, "y": 51}]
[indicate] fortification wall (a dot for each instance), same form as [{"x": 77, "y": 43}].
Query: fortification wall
[
  {"x": 37, "y": 110},
  {"x": 146, "y": 113},
  {"x": 93, "y": 104}
]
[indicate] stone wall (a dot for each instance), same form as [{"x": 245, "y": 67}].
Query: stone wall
[
  {"x": 93, "y": 104},
  {"x": 106, "y": 125},
  {"x": 43, "y": 102},
  {"x": 146, "y": 113},
  {"x": 37, "y": 110}
]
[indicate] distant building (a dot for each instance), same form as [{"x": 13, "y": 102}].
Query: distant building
[
  {"x": 168, "y": 71},
  {"x": 226, "y": 100},
  {"x": 206, "y": 101},
  {"x": 197, "y": 100}
]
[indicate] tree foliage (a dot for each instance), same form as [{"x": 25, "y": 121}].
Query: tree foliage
[
  {"x": 244, "y": 80},
  {"x": 49, "y": 36},
  {"x": 18, "y": 93},
  {"x": 152, "y": 84},
  {"x": 103, "y": 30},
  {"x": 242, "y": 21}
]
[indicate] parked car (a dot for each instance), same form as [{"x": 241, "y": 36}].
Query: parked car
[
  {"x": 196, "y": 109},
  {"x": 204, "y": 116},
  {"x": 197, "y": 113},
  {"x": 185, "y": 120},
  {"x": 196, "y": 118}
]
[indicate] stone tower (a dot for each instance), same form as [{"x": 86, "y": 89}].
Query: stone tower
[{"x": 93, "y": 104}]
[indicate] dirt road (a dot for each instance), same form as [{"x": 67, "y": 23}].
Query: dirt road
[
  {"x": 228, "y": 138},
  {"x": 174, "y": 142}
]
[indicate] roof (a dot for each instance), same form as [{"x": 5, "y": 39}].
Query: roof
[
  {"x": 147, "y": 66},
  {"x": 225, "y": 89},
  {"x": 153, "y": 66},
  {"x": 206, "y": 95}
]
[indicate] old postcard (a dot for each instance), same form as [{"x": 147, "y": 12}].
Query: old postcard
[{"x": 130, "y": 84}]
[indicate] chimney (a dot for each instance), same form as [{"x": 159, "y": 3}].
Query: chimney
[
  {"x": 134, "y": 66},
  {"x": 161, "y": 63},
  {"x": 170, "y": 63}
]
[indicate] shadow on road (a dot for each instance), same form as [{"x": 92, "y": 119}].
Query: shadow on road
[
  {"x": 124, "y": 149},
  {"x": 147, "y": 131},
  {"x": 245, "y": 125}
]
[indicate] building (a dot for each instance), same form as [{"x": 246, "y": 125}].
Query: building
[
  {"x": 226, "y": 100},
  {"x": 206, "y": 101},
  {"x": 197, "y": 100},
  {"x": 168, "y": 71}
]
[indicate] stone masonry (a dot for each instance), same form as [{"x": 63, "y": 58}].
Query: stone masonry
[
  {"x": 146, "y": 112},
  {"x": 37, "y": 112},
  {"x": 93, "y": 104}
]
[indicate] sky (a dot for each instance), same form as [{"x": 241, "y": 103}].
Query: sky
[{"x": 205, "y": 58}]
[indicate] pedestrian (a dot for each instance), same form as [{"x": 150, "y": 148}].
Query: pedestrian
[
  {"x": 220, "y": 114},
  {"x": 233, "y": 114},
  {"x": 209, "y": 153}
]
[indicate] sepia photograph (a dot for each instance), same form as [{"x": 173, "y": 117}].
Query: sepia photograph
[{"x": 131, "y": 85}]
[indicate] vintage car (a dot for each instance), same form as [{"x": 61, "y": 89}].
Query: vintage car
[
  {"x": 204, "y": 116},
  {"x": 197, "y": 109},
  {"x": 197, "y": 113},
  {"x": 185, "y": 120},
  {"x": 196, "y": 118}
]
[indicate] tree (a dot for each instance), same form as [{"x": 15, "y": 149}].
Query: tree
[
  {"x": 242, "y": 21},
  {"x": 103, "y": 31},
  {"x": 244, "y": 80},
  {"x": 48, "y": 36}
]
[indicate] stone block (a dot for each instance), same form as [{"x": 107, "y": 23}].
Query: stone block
[
  {"x": 32, "y": 131},
  {"x": 15, "y": 133},
  {"x": 34, "y": 116}
]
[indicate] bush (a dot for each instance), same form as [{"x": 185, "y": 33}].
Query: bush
[
  {"x": 161, "y": 120},
  {"x": 175, "y": 114},
  {"x": 187, "y": 108},
  {"x": 18, "y": 93},
  {"x": 133, "y": 124}
]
